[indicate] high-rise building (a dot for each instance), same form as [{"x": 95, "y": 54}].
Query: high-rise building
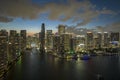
[
  {"x": 13, "y": 45},
  {"x": 23, "y": 39},
  {"x": 73, "y": 44},
  {"x": 61, "y": 29},
  {"x": 66, "y": 41},
  {"x": 115, "y": 38},
  {"x": 99, "y": 36},
  {"x": 42, "y": 38},
  {"x": 39, "y": 40},
  {"x": 106, "y": 40},
  {"x": 49, "y": 31},
  {"x": 3, "y": 49},
  {"x": 80, "y": 42},
  {"x": 89, "y": 40},
  {"x": 49, "y": 40},
  {"x": 17, "y": 44},
  {"x": 57, "y": 44},
  {"x": 96, "y": 42},
  {"x": 29, "y": 42}
]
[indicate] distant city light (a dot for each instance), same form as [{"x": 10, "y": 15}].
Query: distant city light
[
  {"x": 99, "y": 32},
  {"x": 89, "y": 32},
  {"x": 105, "y": 32}
]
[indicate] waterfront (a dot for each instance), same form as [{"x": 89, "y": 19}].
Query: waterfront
[{"x": 33, "y": 66}]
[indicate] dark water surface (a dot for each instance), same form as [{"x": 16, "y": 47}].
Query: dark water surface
[{"x": 33, "y": 66}]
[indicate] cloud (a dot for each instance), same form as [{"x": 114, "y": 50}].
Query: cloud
[
  {"x": 72, "y": 9},
  {"x": 5, "y": 19},
  {"x": 105, "y": 11},
  {"x": 76, "y": 11},
  {"x": 100, "y": 28},
  {"x": 83, "y": 10},
  {"x": 18, "y": 8},
  {"x": 115, "y": 27}
]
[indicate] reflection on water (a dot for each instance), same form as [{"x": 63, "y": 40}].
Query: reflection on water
[{"x": 33, "y": 66}]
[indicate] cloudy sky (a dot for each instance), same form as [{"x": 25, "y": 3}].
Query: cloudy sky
[{"x": 29, "y": 14}]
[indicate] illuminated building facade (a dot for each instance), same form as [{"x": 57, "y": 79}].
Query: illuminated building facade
[
  {"x": 56, "y": 43},
  {"x": 66, "y": 41},
  {"x": 114, "y": 36},
  {"x": 17, "y": 47},
  {"x": 23, "y": 39},
  {"x": 42, "y": 38},
  {"x": 99, "y": 36},
  {"x": 12, "y": 44},
  {"x": 61, "y": 29},
  {"x": 49, "y": 40},
  {"x": 73, "y": 44},
  {"x": 106, "y": 40},
  {"x": 89, "y": 40},
  {"x": 3, "y": 49},
  {"x": 29, "y": 41},
  {"x": 114, "y": 39},
  {"x": 80, "y": 42},
  {"x": 96, "y": 42}
]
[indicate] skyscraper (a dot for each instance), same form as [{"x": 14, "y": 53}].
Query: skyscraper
[
  {"x": 57, "y": 44},
  {"x": 106, "y": 39},
  {"x": 114, "y": 38},
  {"x": 23, "y": 34},
  {"x": 72, "y": 44},
  {"x": 96, "y": 41},
  {"x": 80, "y": 42},
  {"x": 66, "y": 41},
  {"x": 49, "y": 40},
  {"x": 3, "y": 49},
  {"x": 89, "y": 40},
  {"x": 99, "y": 36},
  {"x": 61, "y": 29},
  {"x": 12, "y": 45},
  {"x": 42, "y": 38}
]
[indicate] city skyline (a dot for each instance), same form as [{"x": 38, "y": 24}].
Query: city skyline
[
  {"x": 59, "y": 39},
  {"x": 29, "y": 14},
  {"x": 20, "y": 50}
]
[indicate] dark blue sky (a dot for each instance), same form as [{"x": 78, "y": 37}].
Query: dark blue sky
[
  {"x": 109, "y": 4},
  {"x": 24, "y": 14}
]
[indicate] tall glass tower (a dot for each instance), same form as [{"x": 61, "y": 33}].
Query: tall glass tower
[{"x": 42, "y": 39}]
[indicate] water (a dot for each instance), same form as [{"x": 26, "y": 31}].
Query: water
[{"x": 33, "y": 66}]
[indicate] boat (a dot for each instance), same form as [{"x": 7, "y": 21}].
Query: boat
[{"x": 85, "y": 57}]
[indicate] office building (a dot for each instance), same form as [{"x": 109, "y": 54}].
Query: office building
[
  {"x": 61, "y": 29},
  {"x": 73, "y": 44},
  {"x": 89, "y": 40},
  {"x": 114, "y": 36},
  {"x": 49, "y": 40},
  {"x": 80, "y": 42},
  {"x": 42, "y": 38},
  {"x": 14, "y": 45},
  {"x": 106, "y": 39},
  {"x": 114, "y": 39},
  {"x": 57, "y": 45},
  {"x": 99, "y": 36},
  {"x": 66, "y": 41},
  {"x": 23, "y": 39},
  {"x": 3, "y": 49}
]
